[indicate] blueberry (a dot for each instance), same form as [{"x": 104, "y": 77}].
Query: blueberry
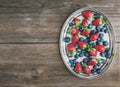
[
  {"x": 101, "y": 35},
  {"x": 86, "y": 54},
  {"x": 96, "y": 15},
  {"x": 108, "y": 51},
  {"x": 67, "y": 39},
  {"x": 78, "y": 50},
  {"x": 85, "y": 60},
  {"x": 80, "y": 29},
  {"x": 102, "y": 29},
  {"x": 100, "y": 39},
  {"x": 106, "y": 30},
  {"x": 82, "y": 50},
  {"x": 98, "y": 71},
  {"x": 98, "y": 28},
  {"x": 71, "y": 61},
  {"x": 107, "y": 55},
  {"x": 102, "y": 54},
  {"x": 76, "y": 56},
  {"x": 76, "y": 45},
  {"x": 81, "y": 39},
  {"x": 90, "y": 43},
  {"x": 103, "y": 61},
  {"x": 71, "y": 24},
  {"x": 74, "y": 61},
  {"x": 93, "y": 44},
  {"x": 95, "y": 67},
  {"x": 98, "y": 64},
  {"x": 93, "y": 71},
  {"x": 90, "y": 57},
  {"x": 98, "y": 42},
  {"x": 80, "y": 55},
  {"x": 72, "y": 65},
  {"x": 70, "y": 55},
  {"x": 93, "y": 31},
  {"x": 85, "y": 40},
  {"x": 105, "y": 43},
  {"x": 81, "y": 63},
  {"x": 90, "y": 26}
]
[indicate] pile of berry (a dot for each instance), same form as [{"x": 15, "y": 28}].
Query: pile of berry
[{"x": 87, "y": 43}]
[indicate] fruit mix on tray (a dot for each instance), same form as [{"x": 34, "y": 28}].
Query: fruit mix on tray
[{"x": 87, "y": 43}]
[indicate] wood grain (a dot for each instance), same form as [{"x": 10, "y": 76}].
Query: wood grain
[{"x": 37, "y": 66}]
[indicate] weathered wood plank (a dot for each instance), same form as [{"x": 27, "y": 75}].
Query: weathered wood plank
[
  {"x": 40, "y": 65},
  {"x": 41, "y": 21}
]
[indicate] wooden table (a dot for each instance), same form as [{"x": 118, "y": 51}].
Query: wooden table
[{"x": 29, "y": 43}]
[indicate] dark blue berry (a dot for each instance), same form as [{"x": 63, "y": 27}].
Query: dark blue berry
[
  {"x": 101, "y": 35},
  {"x": 106, "y": 30},
  {"x": 80, "y": 55},
  {"x": 81, "y": 39},
  {"x": 80, "y": 29},
  {"x": 82, "y": 50},
  {"x": 78, "y": 50},
  {"x": 93, "y": 31},
  {"x": 67, "y": 39},
  {"x": 100, "y": 39},
  {"x": 96, "y": 15},
  {"x": 85, "y": 60},
  {"x": 74, "y": 61},
  {"x": 81, "y": 63},
  {"x": 108, "y": 51},
  {"x": 98, "y": 71},
  {"x": 98, "y": 28},
  {"x": 76, "y": 56},
  {"x": 95, "y": 67},
  {"x": 107, "y": 55},
  {"x": 93, "y": 44},
  {"x": 90, "y": 26},
  {"x": 98, "y": 42},
  {"x": 93, "y": 71},
  {"x": 71, "y": 61},
  {"x": 103, "y": 61},
  {"x": 102, "y": 29},
  {"x": 76, "y": 45},
  {"x": 71, "y": 24},
  {"x": 105, "y": 43},
  {"x": 86, "y": 54},
  {"x": 98, "y": 64},
  {"x": 90, "y": 57},
  {"x": 102, "y": 54},
  {"x": 72, "y": 65},
  {"x": 85, "y": 40}
]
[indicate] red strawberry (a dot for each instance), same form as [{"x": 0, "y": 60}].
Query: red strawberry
[
  {"x": 76, "y": 19},
  {"x": 93, "y": 52},
  {"x": 100, "y": 48},
  {"x": 78, "y": 67},
  {"x": 74, "y": 31},
  {"x": 85, "y": 32},
  {"x": 84, "y": 22},
  {"x": 71, "y": 47},
  {"x": 96, "y": 22},
  {"x": 82, "y": 45},
  {"x": 75, "y": 39},
  {"x": 87, "y": 70},
  {"x": 92, "y": 62},
  {"x": 87, "y": 14},
  {"x": 94, "y": 36}
]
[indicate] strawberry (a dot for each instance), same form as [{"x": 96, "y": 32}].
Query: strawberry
[
  {"x": 85, "y": 32},
  {"x": 87, "y": 14},
  {"x": 84, "y": 22},
  {"x": 78, "y": 67},
  {"x": 93, "y": 52},
  {"x": 92, "y": 62},
  {"x": 71, "y": 47},
  {"x": 87, "y": 70},
  {"x": 73, "y": 31},
  {"x": 76, "y": 19},
  {"x": 96, "y": 22},
  {"x": 75, "y": 39},
  {"x": 76, "y": 22},
  {"x": 100, "y": 48},
  {"x": 94, "y": 36},
  {"x": 82, "y": 45}
]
